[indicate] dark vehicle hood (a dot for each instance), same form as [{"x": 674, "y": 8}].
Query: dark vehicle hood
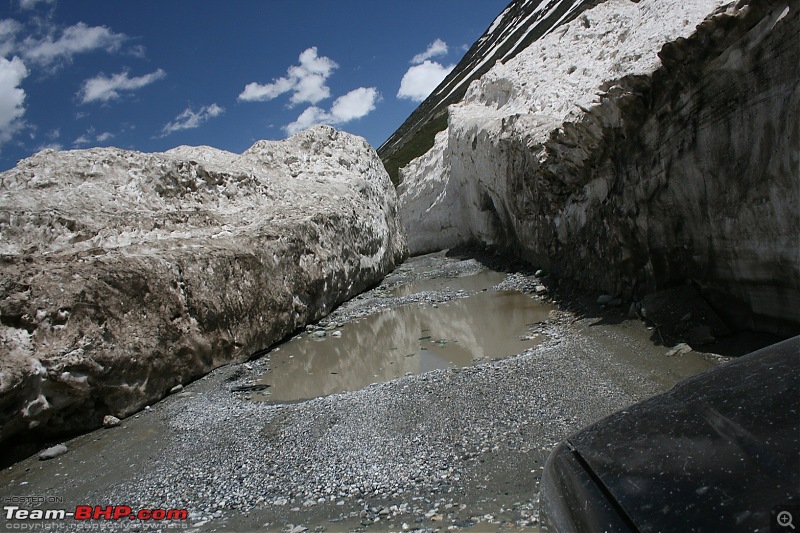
[{"x": 717, "y": 452}]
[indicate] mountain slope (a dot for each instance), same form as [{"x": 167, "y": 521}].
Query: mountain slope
[{"x": 521, "y": 23}]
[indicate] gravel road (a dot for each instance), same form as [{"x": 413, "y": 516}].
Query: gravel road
[{"x": 459, "y": 448}]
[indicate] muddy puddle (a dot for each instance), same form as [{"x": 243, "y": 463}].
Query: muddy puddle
[
  {"x": 410, "y": 339},
  {"x": 470, "y": 284}
]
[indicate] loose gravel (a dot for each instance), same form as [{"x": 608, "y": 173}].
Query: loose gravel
[{"x": 458, "y": 448}]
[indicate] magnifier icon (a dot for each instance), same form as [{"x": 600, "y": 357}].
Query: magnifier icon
[{"x": 785, "y": 519}]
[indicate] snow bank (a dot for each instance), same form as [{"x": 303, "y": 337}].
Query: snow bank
[
  {"x": 126, "y": 274},
  {"x": 641, "y": 145}
]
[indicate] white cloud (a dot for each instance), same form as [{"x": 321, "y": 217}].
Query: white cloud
[
  {"x": 104, "y": 88},
  {"x": 138, "y": 50},
  {"x": 436, "y": 48},
  {"x": 310, "y": 88},
  {"x": 312, "y": 115},
  {"x": 9, "y": 28},
  {"x": 90, "y": 138},
  {"x": 50, "y": 146},
  {"x": 420, "y": 80},
  {"x": 307, "y": 84},
  {"x": 30, "y": 4},
  {"x": 356, "y": 104},
  {"x": 76, "y": 39},
  {"x": 50, "y": 46},
  {"x": 189, "y": 119},
  {"x": 255, "y": 92},
  {"x": 83, "y": 140},
  {"x": 305, "y": 81},
  {"x": 12, "y": 96}
]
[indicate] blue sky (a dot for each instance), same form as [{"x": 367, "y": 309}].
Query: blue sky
[{"x": 147, "y": 75}]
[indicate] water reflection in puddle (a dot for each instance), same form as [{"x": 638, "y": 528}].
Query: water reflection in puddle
[{"x": 408, "y": 339}]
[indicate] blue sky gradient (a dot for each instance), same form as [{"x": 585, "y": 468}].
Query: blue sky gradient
[{"x": 153, "y": 75}]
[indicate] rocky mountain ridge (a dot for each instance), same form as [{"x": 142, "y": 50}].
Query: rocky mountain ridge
[
  {"x": 521, "y": 23},
  {"x": 639, "y": 146},
  {"x": 126, "y": 274}
]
